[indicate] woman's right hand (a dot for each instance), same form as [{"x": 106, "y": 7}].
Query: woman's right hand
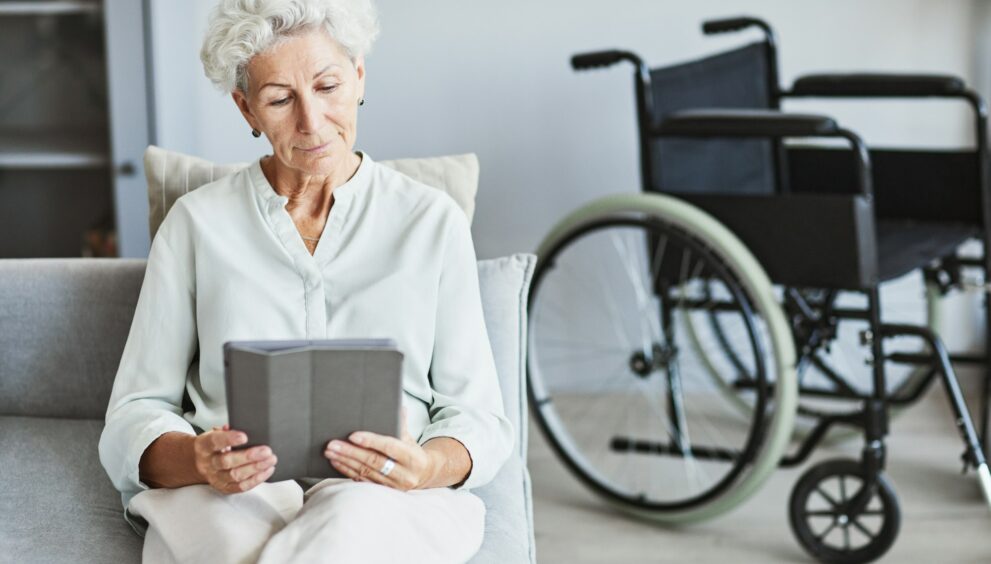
[{"x": 227, "y": 470}]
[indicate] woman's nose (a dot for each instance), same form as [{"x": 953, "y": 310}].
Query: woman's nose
[{"x": 308, "y": 115}]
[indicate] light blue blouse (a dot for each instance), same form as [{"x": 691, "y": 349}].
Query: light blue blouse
[{"x": 395, "y": 260}]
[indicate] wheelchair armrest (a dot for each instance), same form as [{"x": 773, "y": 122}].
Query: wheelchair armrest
[
  {"x": 877, "y": 85},
  {"x": 744, "y": 123}
]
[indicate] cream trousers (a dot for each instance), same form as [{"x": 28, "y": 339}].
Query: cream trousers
[{"x": 337, "y": 520}]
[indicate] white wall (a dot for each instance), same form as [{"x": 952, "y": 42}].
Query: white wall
[{"x": 493, "y": 78}]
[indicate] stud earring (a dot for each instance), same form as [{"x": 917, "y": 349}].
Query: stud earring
[
  {"x": 255, "y": 133},
  {"x": 361, "y": 101}
]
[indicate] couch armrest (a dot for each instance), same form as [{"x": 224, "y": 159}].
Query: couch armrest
[{"x": 504, "y": 284}]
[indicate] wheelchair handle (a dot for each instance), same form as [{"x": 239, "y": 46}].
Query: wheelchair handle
[
  {"x": 726, "y": 25},
  {"x": 586, "y": 61}
]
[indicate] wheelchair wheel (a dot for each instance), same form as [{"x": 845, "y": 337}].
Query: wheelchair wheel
[
  {"x": 830, "y": 526},
  {"x": 614, "y": 384}
]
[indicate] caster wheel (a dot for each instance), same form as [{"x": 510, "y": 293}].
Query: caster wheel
[{"x": 828, "y": 527}]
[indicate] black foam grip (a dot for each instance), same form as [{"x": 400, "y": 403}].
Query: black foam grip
[
  {"x": 597, "y": 59},
  {"x": 726, "y": 25}
]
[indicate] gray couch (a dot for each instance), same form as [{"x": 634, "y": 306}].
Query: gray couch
[{"x": 63, "y": 325}]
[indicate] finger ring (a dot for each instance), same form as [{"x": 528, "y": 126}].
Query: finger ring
[{"x": 388, "y": 466}]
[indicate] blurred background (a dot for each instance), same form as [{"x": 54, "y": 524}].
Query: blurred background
[{"x": 86, "y": 85}]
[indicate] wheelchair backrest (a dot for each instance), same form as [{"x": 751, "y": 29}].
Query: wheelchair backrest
[{"x": 734, "y": 79}]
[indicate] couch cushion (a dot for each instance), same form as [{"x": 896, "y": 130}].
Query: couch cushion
[
  {"x": 504, "y": 284},
  {"x": 63, "y": 324},
  {"x": 56, "y": 503},
  {"x": 171, "y": 174}
]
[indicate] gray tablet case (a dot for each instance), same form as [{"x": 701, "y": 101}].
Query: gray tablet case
[{"x": 295, "y": 396}]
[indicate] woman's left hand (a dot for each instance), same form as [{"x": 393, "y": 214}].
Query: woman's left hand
[{"x": 363, "y": 458}]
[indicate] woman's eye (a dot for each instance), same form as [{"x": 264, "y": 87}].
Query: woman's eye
[
  {"x": 281, "y": 102},
  {"x": 330, "y": 88}
]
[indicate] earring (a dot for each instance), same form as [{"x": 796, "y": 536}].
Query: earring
[
  {"x": 255, "y": 133},
  {"x": 361, "y": 101}
]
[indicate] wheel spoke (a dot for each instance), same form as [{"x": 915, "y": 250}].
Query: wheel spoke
[
  {"x": 828, "y": 530},
  {"x": 827, "y": 497},
  {"x": 821, "y": 513},
  {"x": 863, "y": 529},
  {"x": 639, "y": 291},
  {"x": 658, "y": 257},
  {"x": 567, "y": 269},
  {"x": 581, "y": 345},
  {"x": 565, "y": 358}
]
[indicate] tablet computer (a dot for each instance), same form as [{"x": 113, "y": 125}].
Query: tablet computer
[{"x": 296, "y": 396}]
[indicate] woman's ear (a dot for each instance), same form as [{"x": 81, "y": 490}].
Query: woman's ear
[
  {"x": 242, "y": 104},
  {"x": 359, "y": 67}
]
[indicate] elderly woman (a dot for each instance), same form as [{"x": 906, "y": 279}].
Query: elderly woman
[{"x": 313, "y": 241}]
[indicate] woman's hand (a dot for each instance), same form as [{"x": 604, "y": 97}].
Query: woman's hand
[
  {"x": 362, "y": 459},
  {"x": 227, "y": 470}
]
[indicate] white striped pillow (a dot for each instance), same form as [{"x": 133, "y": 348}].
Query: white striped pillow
[{"x": 171, "y": 174}]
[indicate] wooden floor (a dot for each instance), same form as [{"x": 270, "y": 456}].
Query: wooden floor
[{"x": 944, "y": 518}]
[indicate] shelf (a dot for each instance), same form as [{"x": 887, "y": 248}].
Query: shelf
[
  {"x": 53, "y": 149},
  {"x": 48, "y": 7}
]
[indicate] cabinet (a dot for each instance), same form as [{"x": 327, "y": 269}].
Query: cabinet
[{"x": 74, "y": 110}]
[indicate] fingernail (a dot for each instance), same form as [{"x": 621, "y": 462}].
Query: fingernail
[
  {"x": 241, "y": 439},
  {"x": 358, "y": 438},
  {"x": 335, "y": 446}
]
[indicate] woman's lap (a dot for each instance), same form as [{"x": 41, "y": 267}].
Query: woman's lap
[{"x": 336, "y": 519}]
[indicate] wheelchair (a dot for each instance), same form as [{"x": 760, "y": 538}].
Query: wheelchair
[{"x": 760, "y": 292}]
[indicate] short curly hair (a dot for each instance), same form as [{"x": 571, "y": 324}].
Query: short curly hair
[{"x": 241, "y": 29}]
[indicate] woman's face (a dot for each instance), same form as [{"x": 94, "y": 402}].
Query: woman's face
[{"x": 303, "y": 95}]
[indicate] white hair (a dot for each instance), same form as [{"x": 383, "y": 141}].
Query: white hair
[{"x": 241, "y": 29}]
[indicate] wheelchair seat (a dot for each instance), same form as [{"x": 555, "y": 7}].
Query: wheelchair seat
[{"x": 905, "y": 245}]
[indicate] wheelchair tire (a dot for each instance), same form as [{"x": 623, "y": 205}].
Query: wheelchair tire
[
  {"x": 824, "y": 523},
  {"x": 730, "y": 475}
]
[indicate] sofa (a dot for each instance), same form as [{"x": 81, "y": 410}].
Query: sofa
[{"x": 63, "y": 326}]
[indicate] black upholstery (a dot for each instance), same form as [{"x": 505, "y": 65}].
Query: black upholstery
[
  {"x": 921, "y": 185},
  {"x": 735, "y": 79},
  {"x": 880, "y": 85},
  {"x": 905, "y": 245},
  {"x": 731, "y": 122}
]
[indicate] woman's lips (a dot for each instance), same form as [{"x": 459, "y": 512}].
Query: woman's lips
[{"x": 315, "y": 149}]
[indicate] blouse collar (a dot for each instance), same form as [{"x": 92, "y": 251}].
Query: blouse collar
[
  {"x": 273, "y": 207},
  {"x": 268, "y": 195}
]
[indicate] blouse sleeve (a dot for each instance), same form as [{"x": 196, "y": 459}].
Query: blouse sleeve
[
  {"x": 467, "y": 401},
  {"x": 146, "y": 400}
]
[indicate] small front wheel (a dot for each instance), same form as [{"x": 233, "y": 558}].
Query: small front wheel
[{"x": 829, "y": 522}]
